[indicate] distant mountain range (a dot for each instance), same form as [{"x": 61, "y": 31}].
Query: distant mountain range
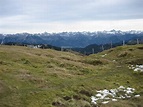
[
  {"x": 94, "y": 48},
  {"x": 73, "y": 39}
]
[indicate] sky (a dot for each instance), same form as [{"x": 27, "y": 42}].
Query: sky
[{"x": 37, "y": 16}]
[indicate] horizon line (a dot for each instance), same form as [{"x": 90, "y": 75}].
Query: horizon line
[{"x": 72, "y": 31}]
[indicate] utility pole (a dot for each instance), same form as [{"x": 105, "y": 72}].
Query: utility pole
[
  {"x": 111, "y": 44},
  {"x": 92, "y": 50},
  {"x": 102, "y": 48},
  {"x": 123, "y": 42},
  {"x": 137, "y": 41},
  {"x": 2, "y": 41},
  {"x": 84, "y": 52},
  {"x": 61, "y": 48}
]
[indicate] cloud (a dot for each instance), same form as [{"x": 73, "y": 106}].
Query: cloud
[
  {"x": 33, "y": 12},
  {"x": 76, "y": 10},
  {"x": 92, "y": 26},
  {"x": 9, "y": 8},
  {"x": 73, "y": 10}
]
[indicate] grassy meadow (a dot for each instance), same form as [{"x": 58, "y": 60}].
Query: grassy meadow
[{"x": 48, "y": 78}]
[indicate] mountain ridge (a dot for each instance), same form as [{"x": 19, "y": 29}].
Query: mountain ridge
[{"x": 72, "y": 39}]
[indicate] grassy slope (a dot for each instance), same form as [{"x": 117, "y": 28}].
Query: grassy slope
[{"x": 44, "y": 78}]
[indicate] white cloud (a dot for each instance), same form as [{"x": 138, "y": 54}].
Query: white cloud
[
  {"x": 124, "y": 25},
  {"x": 70, "y": 15}
]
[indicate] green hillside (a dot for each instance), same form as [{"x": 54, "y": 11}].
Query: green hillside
[{"x": 48, "y": 78}]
